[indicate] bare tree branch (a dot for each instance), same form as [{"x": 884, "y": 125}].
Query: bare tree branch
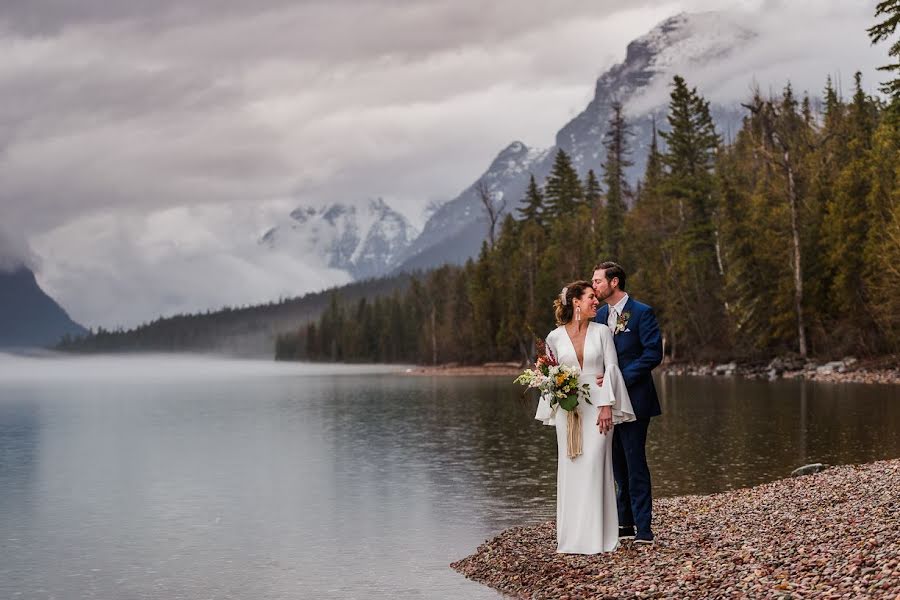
[{"x": 492, "y": 207}]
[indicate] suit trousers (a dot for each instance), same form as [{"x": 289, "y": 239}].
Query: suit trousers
[{"x": 632, "y": 476}]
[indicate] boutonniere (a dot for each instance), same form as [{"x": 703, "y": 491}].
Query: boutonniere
[{"x": 622, "y": 322}]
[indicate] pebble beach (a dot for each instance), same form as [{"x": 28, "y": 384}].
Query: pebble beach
[{"x": 833, "y": 534}]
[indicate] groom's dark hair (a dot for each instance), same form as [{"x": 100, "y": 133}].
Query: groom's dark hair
[{"x": 611, "y": 269}]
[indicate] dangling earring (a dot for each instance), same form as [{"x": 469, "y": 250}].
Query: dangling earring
[{"x": 578, "y": 313}]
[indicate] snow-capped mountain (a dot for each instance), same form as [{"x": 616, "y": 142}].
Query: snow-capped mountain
[
  {"x": 459, "y": 226},
  {"x": 681, "y": 44},
  {"x": 365, "y": 241}
]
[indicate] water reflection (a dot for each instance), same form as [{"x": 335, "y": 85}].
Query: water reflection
[
  {"x": 19, "y": 442},
  {"x": 351, "y": 484},
  {"x": 718, "y": 434}
]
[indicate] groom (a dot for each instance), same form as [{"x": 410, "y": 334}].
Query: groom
[{"x": 639, "y": 348}]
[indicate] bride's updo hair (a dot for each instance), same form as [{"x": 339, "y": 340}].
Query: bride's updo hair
[{"x": 562, "y": 306}]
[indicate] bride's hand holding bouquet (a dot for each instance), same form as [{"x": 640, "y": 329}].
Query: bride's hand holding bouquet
[{"x": 559, "y": 384}]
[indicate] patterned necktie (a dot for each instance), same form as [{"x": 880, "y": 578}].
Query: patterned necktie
[{"x": 612, "y": 319}]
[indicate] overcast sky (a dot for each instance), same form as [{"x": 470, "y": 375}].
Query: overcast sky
[{"x": 136, "y": 134}]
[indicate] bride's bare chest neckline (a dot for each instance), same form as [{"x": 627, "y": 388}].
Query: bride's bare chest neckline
[{"x": 578, "y": 340}]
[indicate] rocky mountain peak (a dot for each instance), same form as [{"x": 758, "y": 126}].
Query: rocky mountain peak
[
  {"x": 456, "y": 230},
  {"x": 378, "y": 206},
  {"x": 28, "y": 316},
  {"x": 514, "y": 151},
  {"x": 363, "y": 240}
]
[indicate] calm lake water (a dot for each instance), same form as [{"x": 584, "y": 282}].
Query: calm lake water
[{"x": 204, "y": 478}]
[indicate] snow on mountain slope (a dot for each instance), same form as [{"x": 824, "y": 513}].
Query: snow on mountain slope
[
  {"x": 680, "y": 44},
  {"x": 362, "y": 240}
]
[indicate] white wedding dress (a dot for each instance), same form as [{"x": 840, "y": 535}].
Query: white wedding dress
[{"x": 586, "y": 518}]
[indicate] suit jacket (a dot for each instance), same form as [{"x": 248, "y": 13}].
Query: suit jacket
[{"x": 639, "y": 348}]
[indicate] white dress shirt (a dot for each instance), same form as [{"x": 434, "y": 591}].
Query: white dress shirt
[{"x": 615, "y": 311}]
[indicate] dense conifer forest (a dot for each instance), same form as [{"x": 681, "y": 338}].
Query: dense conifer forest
[
  {"x": 247, "y": 330},
  {"x": 782, "y": 240}
]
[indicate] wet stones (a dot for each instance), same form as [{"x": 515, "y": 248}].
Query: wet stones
[
  {"x": 830, "y": 534},
  {"x": 883, "y": 370},
  {"x": 808, "y": 469}
]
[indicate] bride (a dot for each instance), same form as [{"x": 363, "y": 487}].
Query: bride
[{"x": 586, "y": 516}]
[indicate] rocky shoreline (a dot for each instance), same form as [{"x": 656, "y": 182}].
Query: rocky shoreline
[
  {"x": 885, "y": 370},
  {"x": 832, "y": 534}
]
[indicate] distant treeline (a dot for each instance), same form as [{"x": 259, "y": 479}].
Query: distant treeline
[
  {"x": 785, "y": 239},
  {"x": 250, "y": 330}
]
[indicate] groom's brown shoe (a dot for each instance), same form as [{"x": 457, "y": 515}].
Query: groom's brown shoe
[{"x": 626, "y": 532}]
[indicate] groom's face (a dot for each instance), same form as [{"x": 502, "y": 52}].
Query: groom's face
[{"x": 602, "y": 286}]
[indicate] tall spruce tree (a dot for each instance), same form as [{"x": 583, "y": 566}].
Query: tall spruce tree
[
  {"x": 881, "y": 254},
  {"x": 650, "y": 226},
  {"x": 536, "y": 285},
  {"x": 485, "y": 307},
  {"x": 654, "y": 171},
  {"x": 691, "y": 143},
  {"x": 691, "y": 146},
  {"x": 533, "y": 209},
  {"x": 881, "y": 31},
  {"x": 846, "y": 219},
  {"x": 829, "y": 158},
  {"x": 743, "y": 213},
  {"x": 783, "y": 136},
  {"x": 593, "y": 196},
  {"x": 563, "y": 193},
  {"x": 882, "y": 251},
  {"x": 617, "y": 160},
  {"x": 846, "y": 224}
]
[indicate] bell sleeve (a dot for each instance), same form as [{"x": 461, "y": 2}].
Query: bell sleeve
[{"x": 613, "y": 393}]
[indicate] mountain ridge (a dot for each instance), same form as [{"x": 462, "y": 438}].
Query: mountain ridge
[
  {"x": 458, "y": 228},
  {"x": 364, "y": 241},
  {"x": 28, "y": 316}
]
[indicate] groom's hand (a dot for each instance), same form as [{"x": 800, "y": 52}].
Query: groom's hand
[
  {"x": 600, "y": 380},
  {"x": 604, "y": 419}
]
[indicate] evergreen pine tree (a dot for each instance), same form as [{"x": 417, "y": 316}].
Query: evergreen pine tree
[
  {"x": 692, "y": 143},
  {"x": 650, "y": 227},
  {"x": 881, "y": 31},
  {"x": 562, "y": 191},
  {"x": 770, "y": 160},
  {"x": 617, "y": 153},
  {"x": 485, "y": 308},
  {"x": 654, "y": 172},
  {"x": 846, "y": 224},
  {"x": 881, "y": 254},
  {"x": 593, "y": 197},
  {"x": 533, "y": 209}
]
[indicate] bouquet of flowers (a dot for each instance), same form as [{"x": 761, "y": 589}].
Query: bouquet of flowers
[{"x": 559, "y": 383}]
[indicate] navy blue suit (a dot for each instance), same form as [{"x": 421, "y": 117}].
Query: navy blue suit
[{"x": 639, "y": 349}]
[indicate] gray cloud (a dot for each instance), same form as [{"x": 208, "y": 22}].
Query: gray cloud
[
  {"x": 122, "y": 268},
  {"x": 144, "y": 105},
  {"x": 113, "y": 113},
  {"x": 15, "y": 252}
]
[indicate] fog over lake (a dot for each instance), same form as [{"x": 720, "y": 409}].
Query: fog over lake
[{"x": 202, "y": 477}]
